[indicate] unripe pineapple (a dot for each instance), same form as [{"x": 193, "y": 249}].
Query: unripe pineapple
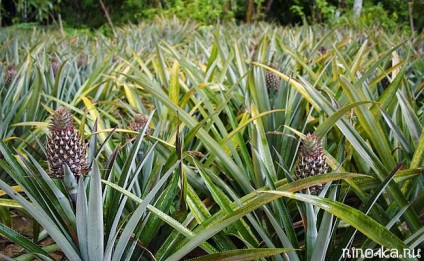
[
  {"x": 138, "y": 123},
  {"x": 255, "y": 52},
  {"x": 271, "y": 79},
  {"x": 64, "y": 145},
  {"x": 82, "y": 61},
  {"x": 10, "y": 74},
  {"x": 311, "y": 160},
  {"x": 323, "y": 50},
  {"x": 55, "y": 64}
]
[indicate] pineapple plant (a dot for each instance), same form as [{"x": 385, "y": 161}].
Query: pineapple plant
[
  {"x": 10, "y": 74},
  {"x": 311, "y": 160},
  {"x": 138, "y": 123},
  {"x": 271, "y": 79},
  {"x": 64, "y": 145}
]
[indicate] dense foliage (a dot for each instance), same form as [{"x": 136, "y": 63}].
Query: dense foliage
[
  {"x": 213, "y": 171},
  {"x": 92, "y": 14}
]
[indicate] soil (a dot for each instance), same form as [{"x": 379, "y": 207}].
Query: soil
[{"x": 23, "y": 225}]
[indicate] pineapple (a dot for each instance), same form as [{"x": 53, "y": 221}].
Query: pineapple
[
  {"x": 139, "y": 122},
  {"x": 64, "y": 145},
  {"x": 385, "y": 82},
  {"x": 10, "y": 74},
  {"x": 82, "y": 61},
  {"x": 322, "y": 50},
  {"x": 55, "y": 64},
  {"x": 311, "y": 160},
  {"x": 271, "y": 79}
]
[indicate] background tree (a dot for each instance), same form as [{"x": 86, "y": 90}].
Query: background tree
[
  {"x": 249, "y": 11},
  {"x": 411, "y": 19},
  {"x": 89, "y": 13},
  {"x": 357, "y": 7}
]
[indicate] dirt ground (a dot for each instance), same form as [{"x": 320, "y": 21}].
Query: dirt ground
[{"x": 23, "y": 225}]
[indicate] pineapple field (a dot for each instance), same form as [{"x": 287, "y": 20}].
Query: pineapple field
[{"x": 172, "y": 140}]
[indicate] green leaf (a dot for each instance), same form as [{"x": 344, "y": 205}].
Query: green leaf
[
  {"x": 396, "y": 131},
  {"x": 250, "y": 202},
  {"x": 95, "y": 228},
  {"x": 242, "y": 254},
  {"x": 324, "y": 127},
  {"x": 326, "y": 225},
  {"x": 38, "y": 206},
  {"x": 366, "y": 208},
  {"x": 295, "y": 84},
  {"x": 82, "y": 220},
  {"x": 359, "y": 58},
  {"x": 415, "y": 126},
  {"x": 22, "y": 241},
  {"x": 418, "y": 158},
  {"x": 211, "y": 144},
  {"x": 42, "y": 218},
  {"x": 174, "y": 86},
  {"x": 223, "y": 201},
  {"x": 130, "y": 227},
  {"x": 368, "y": 226},
  {"x": 372, "y": 127}
]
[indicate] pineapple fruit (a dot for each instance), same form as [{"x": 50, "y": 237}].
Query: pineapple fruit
[
  {"x": 271, "y": 79},
  {"x": 82, "y": 61},
  {"x": 138, "y": 123},
  {"x": 55, "y": 64},
  {"x": 311, "y": 160},
  {"x": 10, "y": 74},
  {"x": 64, "y": 145}
]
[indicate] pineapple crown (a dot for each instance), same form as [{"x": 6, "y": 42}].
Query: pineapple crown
[
  {"x": 11, "y": 68},
  {"x": 311, "y": 145},
  {"x": 61, "y": 119},
  {"x": 10, "y": 74},
  {"x": 140, "y": 118},
  {"x": 11, "y": 71},
  {"x": 255, "y": 53},
  {"x": 55, "y": 64},
  {"x": 271, "y": 63},
  {"x": 82, "y": 60},
  {"x": 139, "y": 121}
]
